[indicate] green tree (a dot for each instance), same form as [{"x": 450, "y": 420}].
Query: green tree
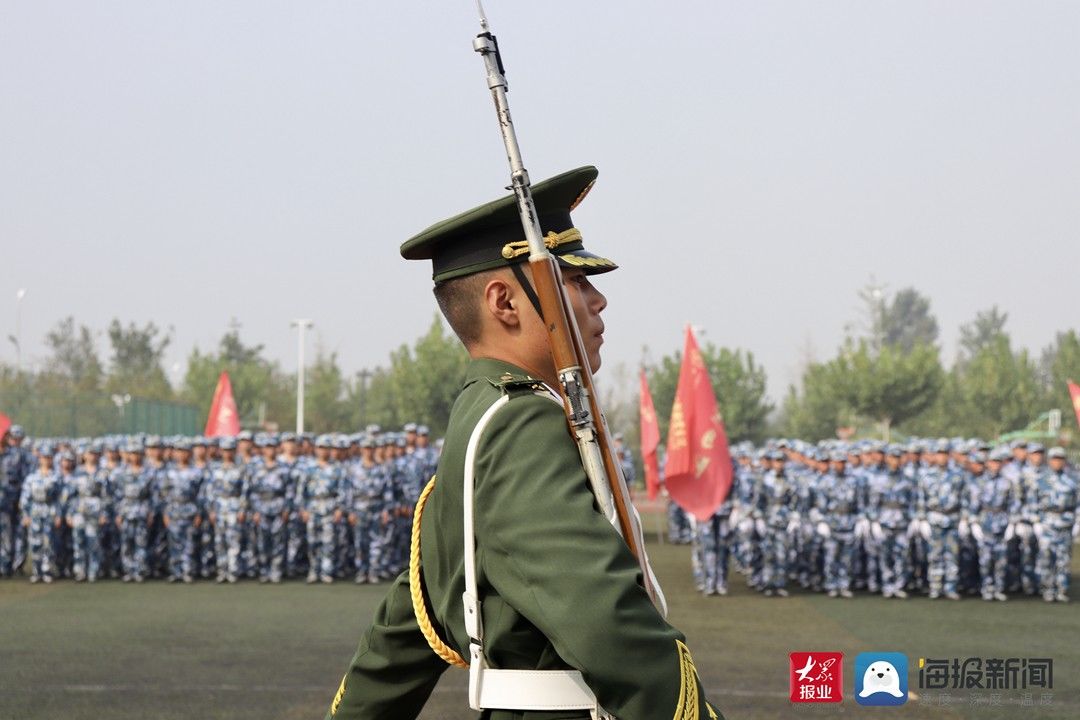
[
  {"x": 136, "y": 365},
  {"x": 944, "y": 417},
  {"x": 982, "y": 332},
  {"x": 890, "y": 386},
  {"x": 420, "y": 384},
  {"x": 374, "y": 399},
  {"x": 1059, "y": 364},
  {"x": 326, "y": 403},
  {"x": 261, "y": 390},
  {"x": 738, "y": 382},
  {"x": 998, "y": 391},
  {"x": 816, "y": 411},
  {"x": 74, "y": 364},
  {"x": 907, "y": 321}
]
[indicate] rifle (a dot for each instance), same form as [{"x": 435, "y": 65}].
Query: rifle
[{"x": 580, "y": 402}]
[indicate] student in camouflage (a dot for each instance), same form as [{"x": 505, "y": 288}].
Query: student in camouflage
[
  {"x": 41, "y": 507},
  {"x": 994, "y": 501},
  {"x": 228, "y": 506},
  {"x": 271, "y": 501},
  {"x": 86, "y": 511},
  {"x": 1057, "y": 498},
  {"x": 321, "y": 495}
]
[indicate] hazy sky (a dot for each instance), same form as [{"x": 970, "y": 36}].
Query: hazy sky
[{"x": 191, "y": 162}]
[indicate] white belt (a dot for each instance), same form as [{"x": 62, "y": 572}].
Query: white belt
[
  {"x": 533, "y": 690},
  {"x": 510, "y": 689}
]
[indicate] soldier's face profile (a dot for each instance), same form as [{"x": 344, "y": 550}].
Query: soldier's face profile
[
  {"x": 1057, "y": 464},
  {"x": 588, "y": 303}
]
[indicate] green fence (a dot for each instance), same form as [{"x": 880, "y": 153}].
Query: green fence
[{"x": 94, "y": 415}]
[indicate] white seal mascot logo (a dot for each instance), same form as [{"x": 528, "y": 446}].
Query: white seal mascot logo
[{"x": 881, "y": 676}]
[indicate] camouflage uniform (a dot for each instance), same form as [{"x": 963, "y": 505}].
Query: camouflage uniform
[
  {"x": 841, "y": 493},
  {"x": 679, "y": 530},
  {"x": 321, "y": 501},
  {"x": 773, "y": 503},
  {"x": 204, "y": 536},
  {"x": 135, "y": 513},
  {"x": 270, "y": 502},
  {"x": 712, "y": 550},
  {"x": 746, "y": 548},
  {"x": 1023, "y": 546},
  {"x": 807, "y": 543},
  {"x": 995, "y": 501},
  {"x": 411, "y": 471},
  {"x": 1057, "y": 497},
  {"x": 364, "y": 494},
  {"x": 228, "y": 503},
  {"x": 11, "y": 480},
  {"x": 890, "y": 499},
  {"x": 249, "y": 561},
  {"x": 297, "y": 537},
  {"x": 381, "y": 560},
  {"x": 940, "y": 498},
  {"x": 110, "y": 536},
  {"x": 86, "y": 509},
  {"x": 40, "y": 503},
  {"x": 181, "y": 494}
]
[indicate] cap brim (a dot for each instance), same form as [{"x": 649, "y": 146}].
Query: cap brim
[{"x": 587, "y": 261}]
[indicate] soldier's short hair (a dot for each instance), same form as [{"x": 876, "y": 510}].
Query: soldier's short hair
[{"x": 459, "y": 300}]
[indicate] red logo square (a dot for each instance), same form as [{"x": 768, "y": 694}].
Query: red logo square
[{"x": 816, "y": 677}]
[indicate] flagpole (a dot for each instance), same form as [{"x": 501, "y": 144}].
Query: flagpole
[{"x": 300, "y": 325}]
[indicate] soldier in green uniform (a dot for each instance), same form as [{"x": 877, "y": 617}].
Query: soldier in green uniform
[{"x": 558, "y": 590}]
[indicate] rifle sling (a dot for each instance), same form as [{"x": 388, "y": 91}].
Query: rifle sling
[{"x": 519, "y": 273}]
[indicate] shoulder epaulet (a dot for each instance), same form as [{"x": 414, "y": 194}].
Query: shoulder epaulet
[{"x": 511, "y": 383}]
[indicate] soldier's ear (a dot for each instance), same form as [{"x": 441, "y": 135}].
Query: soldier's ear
[{"x": 501, "y": 302}]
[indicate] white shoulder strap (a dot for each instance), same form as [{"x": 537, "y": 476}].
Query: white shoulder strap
[{"x": 509, "y": 689}]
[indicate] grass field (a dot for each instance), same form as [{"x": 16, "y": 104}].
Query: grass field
[{"x": 277, "y": 652}]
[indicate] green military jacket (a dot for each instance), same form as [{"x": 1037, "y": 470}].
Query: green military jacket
[{"x": 558, "y": 586}]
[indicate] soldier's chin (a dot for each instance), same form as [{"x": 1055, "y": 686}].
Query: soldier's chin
[{"x": 595, "y": 362}]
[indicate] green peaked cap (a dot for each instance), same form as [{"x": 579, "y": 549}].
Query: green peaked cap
[{"x": 490, "y": 236}]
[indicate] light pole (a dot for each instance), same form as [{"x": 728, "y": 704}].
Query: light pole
[
  {"x": 363, "y": 376},
  {"x": 120, "y": 401},
  {"x": 19, "y": 295},
  {"x": 300, "y": 325}
]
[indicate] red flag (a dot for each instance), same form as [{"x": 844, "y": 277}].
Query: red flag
[
  {"x": 650, "y": 440},
  {"x": 1074, "y": 392},
  {"x": 5, "y": 424},
  {"x": 698, "y": 475},
  {"x": 223, "y": 419}
]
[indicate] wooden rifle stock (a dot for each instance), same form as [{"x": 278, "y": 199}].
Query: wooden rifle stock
[
  {"x": 574, "y": 374},
  {"x": 568, "y": 352}
]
